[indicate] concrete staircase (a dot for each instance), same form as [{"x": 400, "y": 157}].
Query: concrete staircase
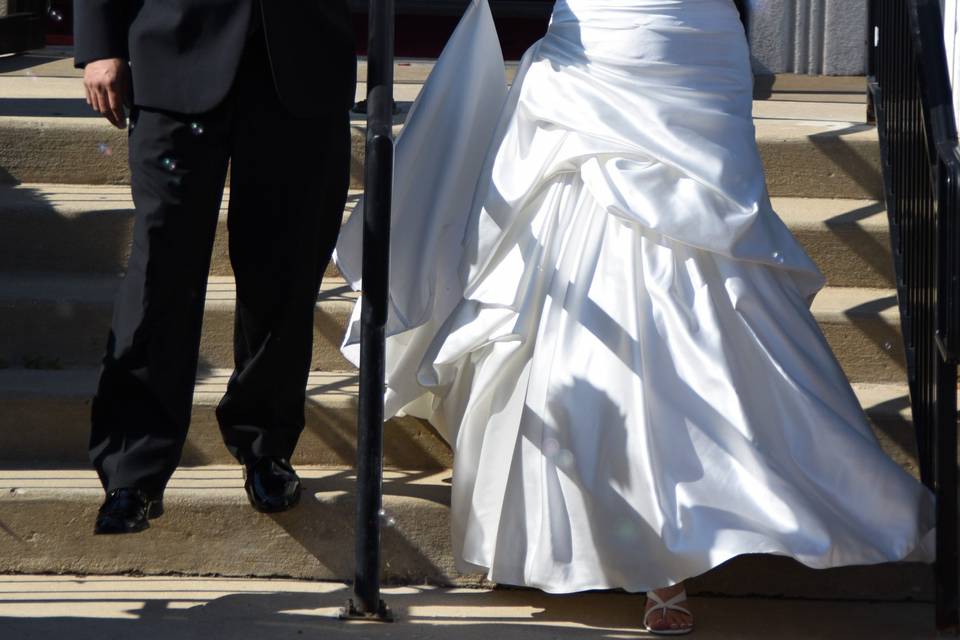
[{"x": 65, "y": 221}]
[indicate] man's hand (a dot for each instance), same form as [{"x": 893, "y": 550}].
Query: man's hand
[{"x": 108, "y": 85}]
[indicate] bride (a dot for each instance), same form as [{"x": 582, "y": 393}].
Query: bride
[{"x": 593, "y": 301}]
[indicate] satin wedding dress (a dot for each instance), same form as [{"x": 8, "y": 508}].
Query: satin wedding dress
[{"x": 594, "y": 302}]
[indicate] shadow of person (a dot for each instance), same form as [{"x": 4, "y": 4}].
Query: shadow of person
[
  {"x": 415, "y": 538},
  {"x": 423, "y": 613}
]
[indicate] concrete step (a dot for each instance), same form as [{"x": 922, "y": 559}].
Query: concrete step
[
  {"x": 848, "y": 239},
  {"x": 810, "y": 130},
  {"x": 804, "y": 152},
  {"x": 46, "y": 416},
  {"x": 81, "y": 229},
  {"x": 78, "y": 229},
  {"x": 210, "y": 530},
  {"x": 862, "y": 327},
  {"x": 57, "y": 62},
  {"x": 831, "y": 159},
  {"x": 54, "y": 321},
  {"x": 47, "y": 413},
  {"x": 82, "y": 607}
]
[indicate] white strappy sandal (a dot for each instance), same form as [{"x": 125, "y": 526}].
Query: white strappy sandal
[{"x": 670, "y": 605}]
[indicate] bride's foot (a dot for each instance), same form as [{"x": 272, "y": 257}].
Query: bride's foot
[{"x": 666, "y": 612}]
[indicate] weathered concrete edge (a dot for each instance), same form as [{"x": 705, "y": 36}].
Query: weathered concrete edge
[
  {"x": 70, "y": 334},
  {"x": 866, "y": 340},
  {"x": 214, "y": 532},
  {"x": 94, "y": 237},
  {"x": 51, "y": 429},
  {"x": 800, "y": 161}
]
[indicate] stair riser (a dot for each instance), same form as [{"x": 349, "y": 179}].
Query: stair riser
[
  {"x": 822, "y": 166},
  {"x": 221, "y": 535},
  {"x": 49, "y": 532},
  {"x": 53, "y": 335},
  {"x": 830, "y": 166},
  {"x": 48, "y": 334},
  {"x": 37, "y": 239},
  {"x": 53, "y": 430},
  {"x": 868, "y": 348},
  {"x": 58, "y": 151},
  {"x": 52, "y": 150},
  {"x": 850, "y": 256}
]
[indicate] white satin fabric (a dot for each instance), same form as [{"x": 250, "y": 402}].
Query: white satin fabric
[{"x": 594, "y": 302}]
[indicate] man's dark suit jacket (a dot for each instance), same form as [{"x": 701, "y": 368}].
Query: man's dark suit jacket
[{"x": 184, "y": 53}]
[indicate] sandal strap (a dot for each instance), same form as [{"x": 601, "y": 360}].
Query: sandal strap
[{"x": 670, "y": 605}]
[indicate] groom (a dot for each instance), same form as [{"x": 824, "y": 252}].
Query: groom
[{"x": 262, "y": 87}]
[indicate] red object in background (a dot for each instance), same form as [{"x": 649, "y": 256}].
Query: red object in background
[{"x": 417, "y": 36}]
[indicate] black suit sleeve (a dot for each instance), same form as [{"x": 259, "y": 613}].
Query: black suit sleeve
[{"x": 100, "y": 29}]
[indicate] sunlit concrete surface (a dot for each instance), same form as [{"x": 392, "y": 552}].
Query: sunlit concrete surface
[{"x": 97, "y": 608}]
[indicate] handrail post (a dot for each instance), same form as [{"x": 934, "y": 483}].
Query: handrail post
[{"x": 378, "y": 181}]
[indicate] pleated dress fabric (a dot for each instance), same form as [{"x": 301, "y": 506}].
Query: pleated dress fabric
[{"x": 594, "y": 302}]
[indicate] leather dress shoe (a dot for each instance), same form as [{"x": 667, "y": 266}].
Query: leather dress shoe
[
  {"x": 126, "y": 511},
  {"x": 272, "y": 485}
]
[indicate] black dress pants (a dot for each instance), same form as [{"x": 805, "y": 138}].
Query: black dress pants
[{"x": 289, "y": 180}]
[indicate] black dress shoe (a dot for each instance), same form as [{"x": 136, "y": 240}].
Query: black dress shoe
[
  {"x": 272, "y": 485},
  {"x": 126, "y": 511}
]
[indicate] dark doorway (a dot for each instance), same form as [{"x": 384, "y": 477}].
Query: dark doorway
[
  {"x": 424, "y": 26},
  {"x": 22, "y": 28}
]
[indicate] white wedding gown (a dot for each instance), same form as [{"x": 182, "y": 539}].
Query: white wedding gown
[{"x": 593, "y": 301}]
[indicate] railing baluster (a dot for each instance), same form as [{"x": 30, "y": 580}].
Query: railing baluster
[{"x": 913, "y": 105}]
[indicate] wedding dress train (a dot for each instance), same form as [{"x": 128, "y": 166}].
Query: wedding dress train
[{"x": 594, "y": 302}]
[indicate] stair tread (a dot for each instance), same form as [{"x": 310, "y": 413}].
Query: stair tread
[
  {"x": 781, "y": 126},
  {"x": 87, "y": 229},
  {"x": 831, "y": 213},
  {"x": 832, "y": 303},
  {"x": 880, "y": 396},
  {"x": 209, "y": 479},
  {"x": 788, "y": 110},
  {"x": 62, "y": 95},
  {"x": 850, "y": 303},
  {"x": 48, "y": 514},
  {"x": 95, "y": 288},
  {"x": 72, "y": 200},
  {"x": 68, "y": 199},
  {"x": 82, "y": 381}
]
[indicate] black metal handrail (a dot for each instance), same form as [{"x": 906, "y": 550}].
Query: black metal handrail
[
  {"x": 911, "y": 99},
  {"x": 378, "y": 178}
]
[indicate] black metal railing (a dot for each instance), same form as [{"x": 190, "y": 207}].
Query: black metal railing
[
  {"x": 378, "y": 178},
  {"x": 911, "y": 99}
]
